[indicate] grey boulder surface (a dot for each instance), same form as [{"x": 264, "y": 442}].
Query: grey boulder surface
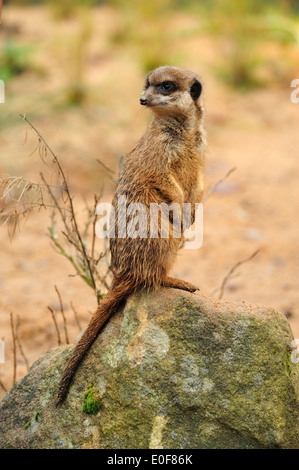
[{"x": 171, "y": 370}]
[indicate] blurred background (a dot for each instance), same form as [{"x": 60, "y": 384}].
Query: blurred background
[{"x": 76, "y": 69}]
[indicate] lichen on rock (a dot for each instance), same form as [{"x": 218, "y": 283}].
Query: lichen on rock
[{"x": 171, "y": 370}]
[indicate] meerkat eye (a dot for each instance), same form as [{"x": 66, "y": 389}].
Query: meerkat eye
[
  {"x": 167, "y": 87},
  {"x": 147, "y": 83}
]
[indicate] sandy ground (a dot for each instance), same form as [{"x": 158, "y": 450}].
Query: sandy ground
[{"x": 255, "y": 208}]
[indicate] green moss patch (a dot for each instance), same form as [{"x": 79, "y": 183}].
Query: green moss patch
[{"x": 92, "y": 401}]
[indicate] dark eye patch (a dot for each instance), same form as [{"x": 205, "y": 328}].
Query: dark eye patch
[
  {"x": 147, "y": 83},
  {"x": 166, "y": 87},
  {"x": 195, "y": 90}
]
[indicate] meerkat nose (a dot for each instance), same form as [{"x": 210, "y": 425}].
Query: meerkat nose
[{"x": 143, "y": 101}]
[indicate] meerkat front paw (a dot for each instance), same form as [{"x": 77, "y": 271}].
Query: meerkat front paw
[
  {"x": 179, "y": 284},
  {"x": 191, "y": 287}
]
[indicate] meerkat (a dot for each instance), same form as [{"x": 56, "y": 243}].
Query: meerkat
[{"x": 166, "y": 166}]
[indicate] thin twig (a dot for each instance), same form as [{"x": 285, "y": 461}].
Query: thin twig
[
  {"x": 63, "y": 316},
  {"x": 59, "y": 247},
  {"x": 95, "y": 218},
  {"x": 3, "y": 386},
  {"x": 56, "y": 326},
  {"x": 19, "y": 343},
  {"x": 71, "y": 241},
  {"x": 231, "y": 271},
  {"x": 214, "y": 186},
  {"x": 56, "y": 205},
  {"x": 70, "y": 200},
  {"x": 108, "y": 170},
  {"x": 14, "y": 348},
  {"x": 76, "y": 317}
]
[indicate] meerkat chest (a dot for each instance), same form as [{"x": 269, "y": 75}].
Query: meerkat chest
[
  {"x": 186, "y": 174},
  {"x": 186, "y": 165}
]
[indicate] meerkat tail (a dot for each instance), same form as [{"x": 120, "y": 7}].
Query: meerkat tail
[{"x": 117, "y": 293}]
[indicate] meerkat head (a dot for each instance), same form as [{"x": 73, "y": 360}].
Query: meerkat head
[{"x": 172, "y": 91}]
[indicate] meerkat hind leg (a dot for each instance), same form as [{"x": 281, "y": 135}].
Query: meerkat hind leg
[{"x": 179, "y": 284}]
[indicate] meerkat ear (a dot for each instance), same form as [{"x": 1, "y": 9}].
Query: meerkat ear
[{"x": 195, "y": 90}]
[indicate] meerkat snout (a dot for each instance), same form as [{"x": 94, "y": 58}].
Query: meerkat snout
[{"x": 143, "y": 101}]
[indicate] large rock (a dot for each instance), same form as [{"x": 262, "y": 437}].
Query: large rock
[{"x": 173, "y": 370}]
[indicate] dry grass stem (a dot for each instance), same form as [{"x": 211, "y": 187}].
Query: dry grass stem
[
  {"x": 76, "y": 317},
  {"x": 214, "y": 186},
  {"x": 230, "y": 276},
  {"x": 20, "y": 344},
  {"x": 56, "y": 326},
  {"x": 63, "y": 316}
]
